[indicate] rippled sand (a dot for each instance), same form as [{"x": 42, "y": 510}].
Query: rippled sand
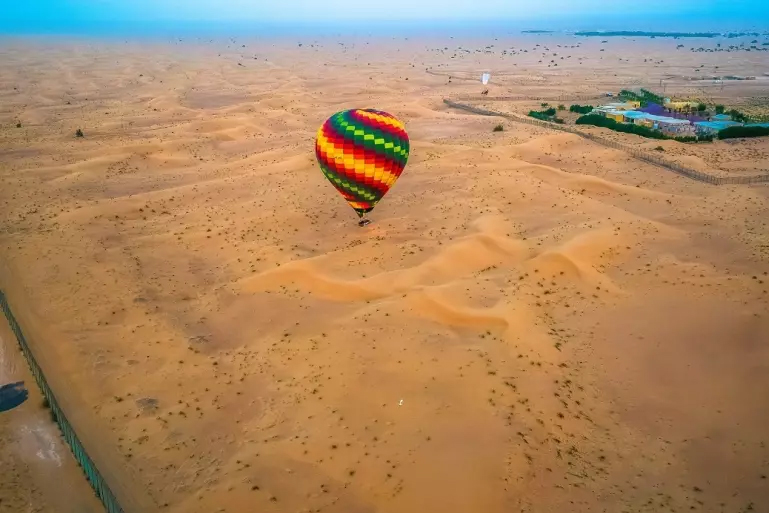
[{"x": 531, "y": 323}]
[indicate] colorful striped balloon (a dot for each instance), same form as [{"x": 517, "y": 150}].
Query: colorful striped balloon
[{"x": 362, "y": 152}]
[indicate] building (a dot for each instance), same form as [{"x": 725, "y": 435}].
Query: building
[
  {"x": 673, "y": 127},
  {"x": 636, "y": 117},
  {"x": 681, "y": 106},
  {"x": 613, "y": 107},
  {"x": 712, "y": 127},
  {"x": 616, "y": 115},
  {"x": 623, "y": 105}
]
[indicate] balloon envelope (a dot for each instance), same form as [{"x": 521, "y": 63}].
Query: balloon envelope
[{"x": 362, "y": 152}]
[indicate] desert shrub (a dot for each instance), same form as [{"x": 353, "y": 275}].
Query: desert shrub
[
  {"x": 562, "y": 107},
  {"x": 499, "y": 128},
  {"x": 545, "y": 115},
  {"x": 738, "y": 116},
  {"x": 79, "y": 133},
  {"x": 581, "y": 109},
  {"x": 659, "y": 148}
]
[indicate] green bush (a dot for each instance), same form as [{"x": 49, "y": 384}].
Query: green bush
[
  {"x": 743, "y": 131},
  {"x": 738, "y": 116},
  {"x": 581, "y": 109},
  {"x": 545, "y": 115},
  {"x": 720, "y": 109},
  {"x": 539, "y": 115},
  {"x": 562, "y": 107},
  {"x": 701, "y": 107}
]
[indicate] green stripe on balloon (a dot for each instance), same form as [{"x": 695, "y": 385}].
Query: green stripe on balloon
[
  {"x": 359, "y": 190},
  {"x": 347, "y": 129}
]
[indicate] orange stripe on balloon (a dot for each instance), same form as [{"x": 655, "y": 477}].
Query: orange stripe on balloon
[
  {"x": 387, "y": 120},
  {"x": 353, "y": 168}
]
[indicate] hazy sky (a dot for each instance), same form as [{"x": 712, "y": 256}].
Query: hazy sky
[{"x": 615, "y": 14}]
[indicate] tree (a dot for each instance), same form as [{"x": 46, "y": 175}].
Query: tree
[
  {"x": 720, "y": 109},
  {"x": 701, "y": 107},
  {"x": 544, "y": 105},
  {"x": 562, "y": 107}
]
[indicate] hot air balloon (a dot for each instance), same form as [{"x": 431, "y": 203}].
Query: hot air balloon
[{"x": 362, "y": 152}]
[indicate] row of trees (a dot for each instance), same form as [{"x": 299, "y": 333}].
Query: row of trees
[
  {"x": 743, "y": 131},
  {"x": 645, "y": 96}
]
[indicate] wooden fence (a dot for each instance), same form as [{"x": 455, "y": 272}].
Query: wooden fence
[{"x": 639, "y": 154}]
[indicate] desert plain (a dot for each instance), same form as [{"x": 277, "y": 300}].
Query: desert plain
[{"x": 533, "y": 322}]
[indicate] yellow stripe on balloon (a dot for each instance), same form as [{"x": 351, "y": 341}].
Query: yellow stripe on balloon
[{"x": 382, "y": 119}]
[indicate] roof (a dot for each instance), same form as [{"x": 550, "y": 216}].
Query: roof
[
  {"x": 671, "y": 121},
  {"x": 615, "y": 106},
  {"x": 634, "y": 114},
  {"x": 765, "y": 125},
  {"x": 722, "y": 117},
  {"x": 716, "y": 125}
]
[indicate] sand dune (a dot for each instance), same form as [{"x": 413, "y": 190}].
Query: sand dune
[{"x": 532, "y": 322}]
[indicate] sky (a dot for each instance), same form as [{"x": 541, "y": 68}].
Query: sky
[{"x": 52, "y": 15}]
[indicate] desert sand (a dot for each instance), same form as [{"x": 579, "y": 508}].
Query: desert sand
[{"x": 532, "y": 322}]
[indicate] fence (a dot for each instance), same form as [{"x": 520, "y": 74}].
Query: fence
[
  {"x": 512, "y": 98},
  {"x": 94, "y": 477},
  {"x": 639, "y": 154},
  {"x": 521, "y": 97}
]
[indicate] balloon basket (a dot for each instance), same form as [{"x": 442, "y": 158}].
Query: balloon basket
[{"x": 364, "y": 222}]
